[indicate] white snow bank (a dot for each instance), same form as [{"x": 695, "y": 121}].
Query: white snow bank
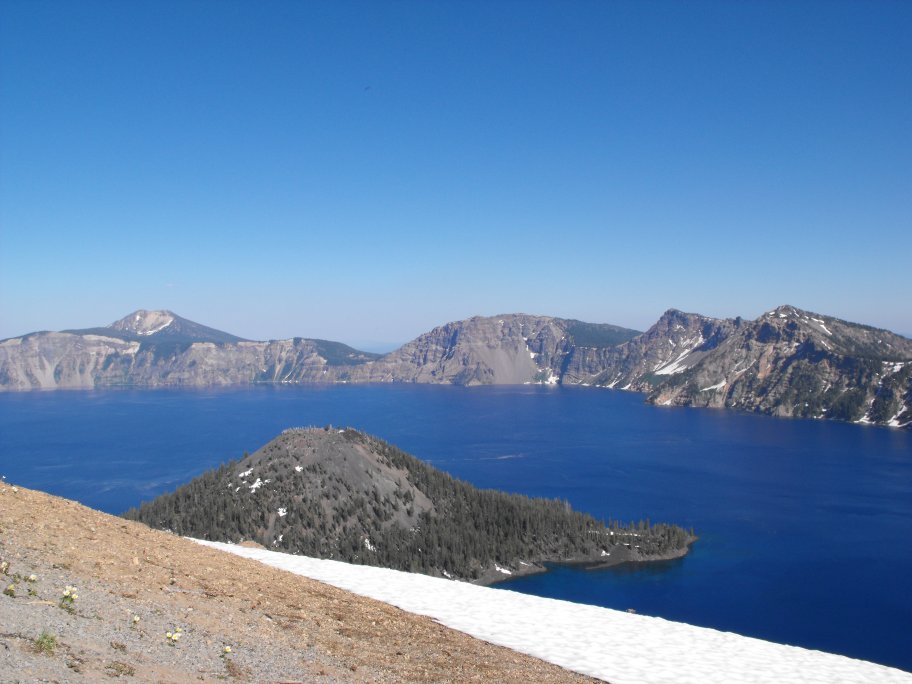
[
  {"x": 611, "y": 645},
  {"x": 152, "y": 331},
  {"x": 822, "y": 325},
  {"x": 678, "y": 365}
]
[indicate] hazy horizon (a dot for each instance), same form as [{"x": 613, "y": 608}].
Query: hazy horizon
[{"x": 375, "y": 345}]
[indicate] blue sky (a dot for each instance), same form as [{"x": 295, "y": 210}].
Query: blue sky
[{"x": 366, "y": 171}]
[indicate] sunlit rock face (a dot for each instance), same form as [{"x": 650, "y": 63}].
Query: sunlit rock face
[
  {"x": 788, "y": 362},
  {"x": 791, "y": 362}
]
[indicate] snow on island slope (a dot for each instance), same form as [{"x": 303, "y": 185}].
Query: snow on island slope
[{"x": 608, "y": 644}]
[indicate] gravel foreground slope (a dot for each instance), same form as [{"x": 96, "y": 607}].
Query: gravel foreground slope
[{"x": 279, "y": 627}]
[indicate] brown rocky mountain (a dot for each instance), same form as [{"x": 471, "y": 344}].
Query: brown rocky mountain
[
  {"x": 791, "y": 362},
  {"x": 788, "y": 362}
]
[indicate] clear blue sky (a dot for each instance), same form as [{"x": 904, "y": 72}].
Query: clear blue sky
[{"x": 365, "y": 171}]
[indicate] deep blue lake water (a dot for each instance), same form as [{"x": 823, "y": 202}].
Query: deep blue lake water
[{"x": 805, "y": 527}]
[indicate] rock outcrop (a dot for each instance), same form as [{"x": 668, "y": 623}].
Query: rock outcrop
[
  {"x": 159, "y": 348},
  {"x": 788, "y": 362},
  {"x": 150, "y": 349},
  {"x": 791, "y": 362}
]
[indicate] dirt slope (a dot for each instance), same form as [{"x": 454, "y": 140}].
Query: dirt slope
[{"x": 280, "y": 627}]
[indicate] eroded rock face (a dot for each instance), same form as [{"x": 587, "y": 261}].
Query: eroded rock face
[
  {"x": 506, "y": 350},
  {"x": 65, "y": 360},
  {"x": 676, "y": 342},
  {"x": 160, "y": 348},
  {"x": 59, "y": 360},
  {"x": 156, "y": 348},
  {"x": 788, "y": 362},
  {"x": 791, "y": 362}
]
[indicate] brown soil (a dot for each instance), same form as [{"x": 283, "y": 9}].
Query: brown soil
[{"x": 280, "y": 627}]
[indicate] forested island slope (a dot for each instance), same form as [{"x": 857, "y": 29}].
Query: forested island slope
[{"x": 345, "y": 495}]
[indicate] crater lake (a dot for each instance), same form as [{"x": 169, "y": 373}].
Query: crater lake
[{"x": 805, "y": 527}]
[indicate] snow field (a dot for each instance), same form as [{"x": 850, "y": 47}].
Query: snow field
[{"x": 608, "y": 644}]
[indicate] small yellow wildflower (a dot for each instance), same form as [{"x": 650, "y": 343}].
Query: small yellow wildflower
[
  {"x": 227, "y": 649},
  {"x": 33, "y": 578}
]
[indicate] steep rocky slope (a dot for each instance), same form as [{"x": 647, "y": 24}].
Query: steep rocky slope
[
  {"x": 280, "y": 627},
  {"x": 345, "y": 495},
  {"x": 788, "y": 362},
  {"x": 509, "y": 349},
  {"x": 675, "y": 342},
  {"x": 162, "y": 326},
  {"x": 159, "y": 348},
  {"x": 791, "y": 362}
]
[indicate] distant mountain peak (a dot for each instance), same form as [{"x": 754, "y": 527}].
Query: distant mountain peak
[
  {"x": 162, "y": 325},
  {"x": 143, "y": 322},
  {"x": 677, "y": 313},
  {"x": 787, "y": 310}
]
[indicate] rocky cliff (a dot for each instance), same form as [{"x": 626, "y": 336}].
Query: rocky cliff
[
  {"x": 159, "y": 348},
  {"x": 788, "y": 362},
  {"x": 677, "y": 341},
  {"x": 510, "y": 349},
  {"x": 791, "y": 362}
]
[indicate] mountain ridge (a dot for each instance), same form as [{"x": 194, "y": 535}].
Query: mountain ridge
[
  {"x": 159, "y": 325},
  {"x": 787, "y": 362}
]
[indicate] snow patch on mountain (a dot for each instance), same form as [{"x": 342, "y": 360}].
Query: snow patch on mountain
[{"x": 144, "y": 322}]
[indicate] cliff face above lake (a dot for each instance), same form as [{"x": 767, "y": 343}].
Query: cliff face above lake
[
  {"x": 791, "y": 362},
  {"x": 344, "y": 495},
  {"x": 788, "y": 362},
  {"x": 160, "y": 348},
  {"x": 511, "y": 349}
]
